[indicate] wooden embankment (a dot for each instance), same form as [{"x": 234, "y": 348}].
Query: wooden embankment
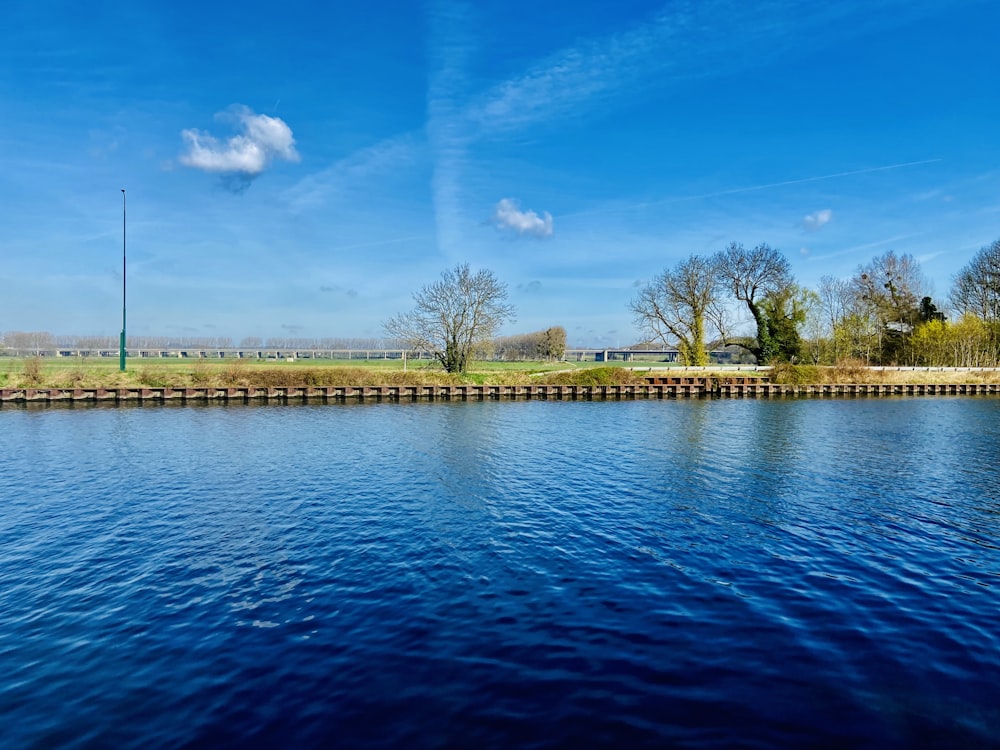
[{"x": 654, "y": 388}]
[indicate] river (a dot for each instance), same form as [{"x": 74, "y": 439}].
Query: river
[{"x": 542, "y": 574}]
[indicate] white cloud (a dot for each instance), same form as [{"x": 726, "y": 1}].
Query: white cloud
[
  {"x": 508, "y": 216},
  {"x": 262, "y": 138},
  {"x": 817, "y": 219}
]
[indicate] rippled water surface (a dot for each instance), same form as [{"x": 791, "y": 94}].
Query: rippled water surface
[{"x": 692, "y": 573}]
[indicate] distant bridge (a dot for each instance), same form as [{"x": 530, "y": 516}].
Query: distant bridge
[
  {"x": 272, "y": 353},
  {"x": 628, "y": 355}
]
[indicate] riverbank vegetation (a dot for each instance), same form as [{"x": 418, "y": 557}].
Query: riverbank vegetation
[
  {"x": 737, "y": 306},
  {"x": 855, "y": 371},
  {"x": 884, "y": 314},
  {"x": 41, "y": 372}
]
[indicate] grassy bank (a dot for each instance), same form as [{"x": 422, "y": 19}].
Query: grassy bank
[
  {"x": 103, "y": 373},
  {"x": 95, "y": 373},
  {"x": 853, "y": 372}
]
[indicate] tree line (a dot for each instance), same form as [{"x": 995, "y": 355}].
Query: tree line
[
  {"x": 43, "y": 340},
  {"x": 539, "y": 345},
  {"x": 882, "y": 315}
]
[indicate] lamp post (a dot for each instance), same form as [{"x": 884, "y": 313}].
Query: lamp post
[{"x": 121, "y": 343}]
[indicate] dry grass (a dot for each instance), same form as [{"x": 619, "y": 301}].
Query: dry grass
[
  {"x": 856, "y": 372},
  {"x": 38, "y": 373},
  {"x": 593, "y": 376},
  {"x": 241, "y": 375},
  {"x": 935, "y": 376}
]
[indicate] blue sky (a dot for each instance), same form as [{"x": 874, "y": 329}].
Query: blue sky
[{"x": 299, "y": 169}]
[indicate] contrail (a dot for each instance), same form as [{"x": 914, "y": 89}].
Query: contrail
[
  {"x": 866, "y": 246},
  {"x": 753, "y": 188},
  {"x": 733, "y": 191}
]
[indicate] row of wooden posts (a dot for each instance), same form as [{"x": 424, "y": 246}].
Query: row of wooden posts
[{"x": 693, "y": 387}]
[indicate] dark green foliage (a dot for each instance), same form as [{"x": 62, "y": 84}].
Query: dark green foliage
[
  {"x": 761, "y": 279},
  {"x": 929, "y": 311},
  {"x": 782, "y": 312}
]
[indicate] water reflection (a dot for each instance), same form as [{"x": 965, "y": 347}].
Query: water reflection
[{"x": 661, "y": 573}]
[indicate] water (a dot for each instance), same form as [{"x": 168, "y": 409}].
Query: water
[{"x": 692, "y": 573}]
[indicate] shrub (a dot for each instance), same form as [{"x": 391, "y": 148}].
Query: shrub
[
  {"x": 235, "y": 375},
  {"x": 153, "y": 378},
  {"x": 852, "y": 371},
  {"x": 789, "y": 374},
  {"x": 594, "y": 376},
  {"x": 201, "y": 374},
  {"x": 75, "y": 377},
  {"x": 33, "y": 370}
]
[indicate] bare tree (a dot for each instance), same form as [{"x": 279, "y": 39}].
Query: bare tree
[
  {"x": 548, "y": 344},
  {"x": 682, "y": 306},
  {"x": 751, "y": 277},
  {"x": 977, "y": 286},
  {"x": 836, "y": 304},
  {"x": 96, "y": 342},
  {"x": 835, "y": 300},
  {"x": 892, "y": 285},
  {"x": 29, "y": 340},
  {"x": 887, "y": 290},
  {"x": 454, "y": 315}
]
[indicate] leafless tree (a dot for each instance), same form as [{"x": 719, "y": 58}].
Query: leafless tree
[
  {"x": 887, "y": 291},
  {"x": 682, "y": 306},
  {"x": 29, "y": 340},
  {"x": 835, "y": 302},
  {"x": 752, "y": 276},
  {"x": 977, "y": 286},
  {"x": 836, "y": 305},
  {"x": 548, "y": 344},
  {"x": 892, "y": 286},
  {"x": 454, "y": 315}
]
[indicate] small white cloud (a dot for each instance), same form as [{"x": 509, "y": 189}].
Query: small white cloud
[
  {"x": 815, "y": 221},
  {"x": 262, "y": 138},
  {"x": 508, "y": 216}
]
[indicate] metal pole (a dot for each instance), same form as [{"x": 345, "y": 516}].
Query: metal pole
[{"x": 121, "y": 343}]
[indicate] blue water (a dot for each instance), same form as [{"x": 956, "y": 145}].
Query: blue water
[{"x": 690, "y": 573}]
